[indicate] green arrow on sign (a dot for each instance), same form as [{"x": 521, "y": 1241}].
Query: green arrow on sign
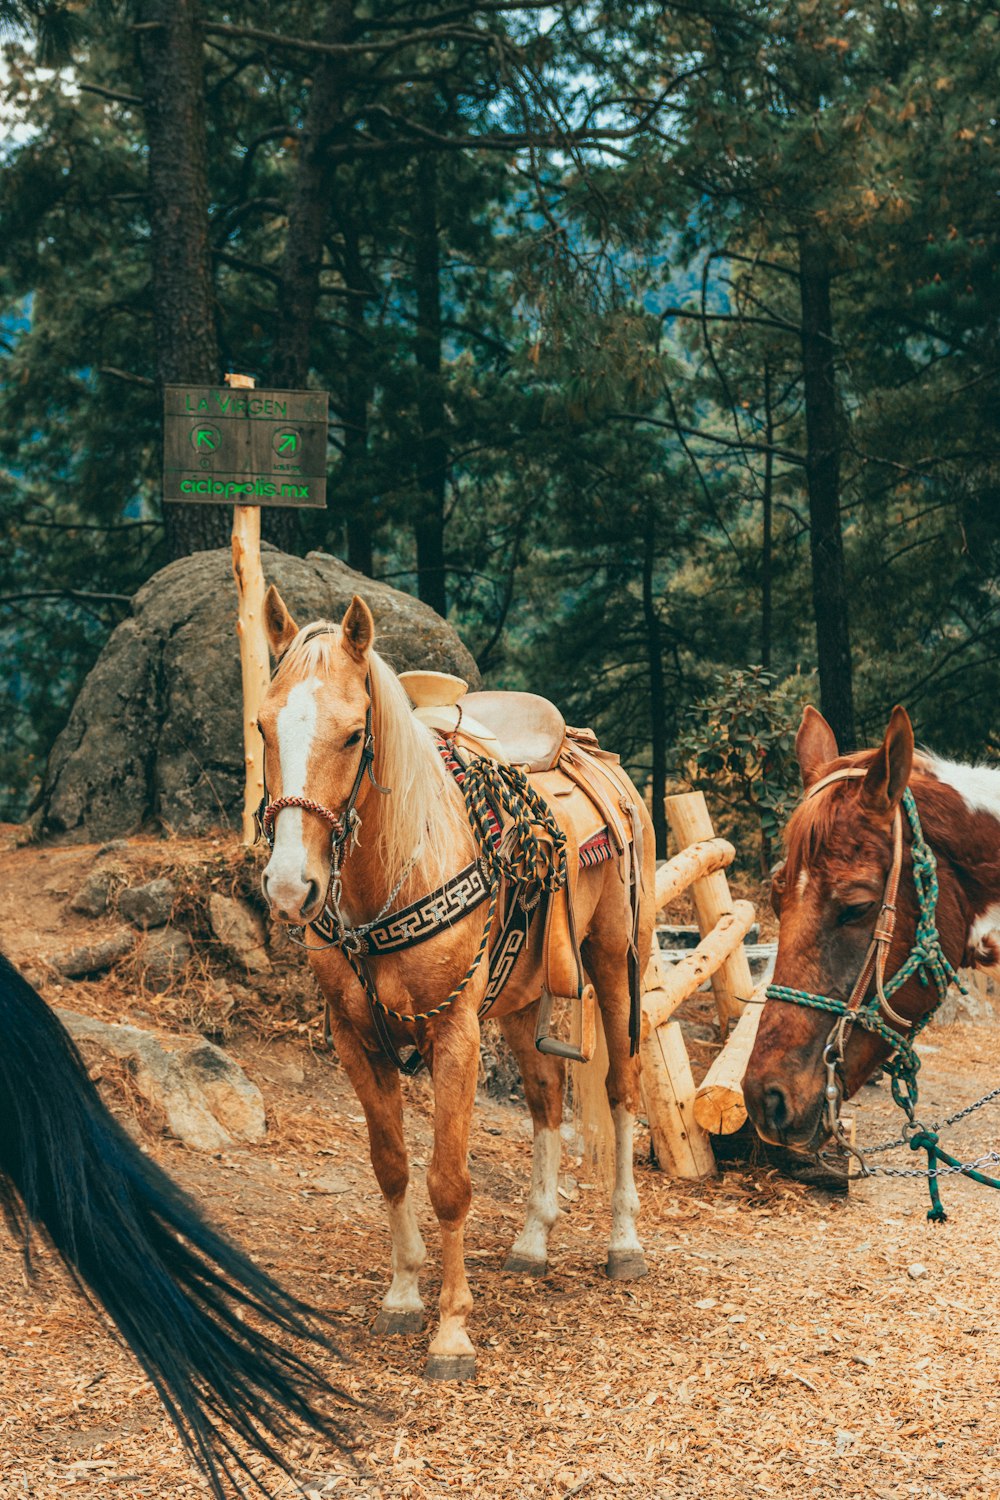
[
  {"x": 205, "y": 440},
  {"x": 288, "y": 443}
]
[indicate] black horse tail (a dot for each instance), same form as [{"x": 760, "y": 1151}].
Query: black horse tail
[{"x": 184, "y": 1298}]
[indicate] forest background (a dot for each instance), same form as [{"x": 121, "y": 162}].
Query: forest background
[{"x": 661, "y": 343}]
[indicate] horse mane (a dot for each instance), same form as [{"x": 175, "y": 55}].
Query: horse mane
[
  {"x": 420, "y": 813},
  {"x": 811, "y": 827}
]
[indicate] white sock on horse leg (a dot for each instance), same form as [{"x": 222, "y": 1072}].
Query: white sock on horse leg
[
  {"x": 624, "y": 1198},
  {"x": 543, "y": 1202},
  {"x": 408, "y": 1255}
]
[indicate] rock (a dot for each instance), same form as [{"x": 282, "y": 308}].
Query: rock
[
  {"x": 240, "y": 931},
  {"x": 94, "y": 958},
  {"x": 980, "y": 1004},
  {"x": 206, "y": 1099},
  {"x": 91, "y": 900},
  {"x": 331, "y": 1182},
  {"x": 148, "y": 905},
  {"x": 163, "y": 955},
  {"x": 156, "y": 732},
  {"x": 916, "y": 1271}
]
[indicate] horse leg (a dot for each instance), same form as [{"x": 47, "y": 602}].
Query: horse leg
[
  {"x": 376, "y": 1084},
  {"x": 544, "y": 1081},
  {"x": 455, "y": 1069},
  {"x": 607, "y": 966}
]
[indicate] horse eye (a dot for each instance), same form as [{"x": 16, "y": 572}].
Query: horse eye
[
  {"x": 854, "y": 913},
  {"x": 355, "y": 739}
]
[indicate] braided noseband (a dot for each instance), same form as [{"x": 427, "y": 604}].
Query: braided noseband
[{"x": 272, "y": 810}]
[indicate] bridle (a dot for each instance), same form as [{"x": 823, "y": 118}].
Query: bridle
[
  {"x": 873, "y": 1012},
  {"x": 343, "y": 824}
]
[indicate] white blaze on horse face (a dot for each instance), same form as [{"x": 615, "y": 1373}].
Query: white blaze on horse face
[{"x": 284, "y": 877}]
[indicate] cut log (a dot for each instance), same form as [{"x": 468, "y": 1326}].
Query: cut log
[
  {"x": 732, "y": 984},
  {"x": 718, "y": 1103},
  {"x": 689, "y": 973},
  {"x": 682, "y": 1147},
  {"x": 692, "y": 863}
]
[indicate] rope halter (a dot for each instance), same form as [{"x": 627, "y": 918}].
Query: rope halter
[{"x": 926, "y": 960}]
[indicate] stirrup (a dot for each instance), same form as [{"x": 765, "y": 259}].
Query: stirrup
[{"x": 552, "y": 1045}]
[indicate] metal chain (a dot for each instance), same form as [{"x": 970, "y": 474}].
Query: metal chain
[
  {"x": 961, "y": 1114},
  {"x": 990, "y": 1159}
]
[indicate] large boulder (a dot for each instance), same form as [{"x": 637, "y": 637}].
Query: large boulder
[{"x": 156, "y": 732}]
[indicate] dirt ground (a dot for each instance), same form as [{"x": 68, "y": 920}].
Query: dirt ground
[{"x": 785, "y": 1341}]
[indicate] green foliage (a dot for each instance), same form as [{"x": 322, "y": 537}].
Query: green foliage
[
  {"x": 738, "y": 742},
  {"x": 620, "y": 381}
]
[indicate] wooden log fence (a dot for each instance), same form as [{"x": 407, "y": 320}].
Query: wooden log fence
[
  {"x": 680, "y": 1140},
  {"x": 718, "y": 1102}
]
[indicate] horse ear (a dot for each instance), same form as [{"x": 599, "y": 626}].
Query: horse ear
[
  {"x": 280, "y": 627},
  {"x": 815, "y": 745},
  {"x": 359, "y": 629},
  {"x": 890, "y": 770}
]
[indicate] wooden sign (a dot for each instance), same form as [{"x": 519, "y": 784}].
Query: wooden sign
[{"x": 240, "y": 446}]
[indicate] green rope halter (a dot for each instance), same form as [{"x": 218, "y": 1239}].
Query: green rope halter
[{"x": 928, "y": 962}]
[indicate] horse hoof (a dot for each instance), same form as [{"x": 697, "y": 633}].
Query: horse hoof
[
  {"x": 626, "y": 1265},
  {"x": 391, "y": 1321},
  {"x": 520, "y": 1265},
  {"x": 450, "y": 1367}
]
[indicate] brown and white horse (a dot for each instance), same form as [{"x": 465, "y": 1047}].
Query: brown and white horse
[
  {"x": 829, "y": 894},
  {"x": 329, "y": 686}
]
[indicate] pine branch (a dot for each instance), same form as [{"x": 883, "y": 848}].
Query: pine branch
[
  {"x": 738, "y": 444},
  {"x": 118, "y": 98}
]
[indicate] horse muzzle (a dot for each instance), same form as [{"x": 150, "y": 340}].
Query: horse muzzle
[
  {"x": 783, "y": 1119},
  {"x": 296, "y": 901}
]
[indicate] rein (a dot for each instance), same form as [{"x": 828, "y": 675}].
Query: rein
[{"x": 926, "y": 960}]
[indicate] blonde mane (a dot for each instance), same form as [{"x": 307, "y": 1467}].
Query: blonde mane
[{"x": 419, "y": 813}]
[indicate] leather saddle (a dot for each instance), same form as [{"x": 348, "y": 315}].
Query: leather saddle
[
  {"x": 529, "y": 727},
  {"x": 529, "y": 731}
]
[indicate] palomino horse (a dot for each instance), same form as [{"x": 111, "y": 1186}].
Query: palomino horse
[
  {"x": 864, "y": 953},
  {"x": 175, "y": 1288},
  {"x": 343, "y": 743}
]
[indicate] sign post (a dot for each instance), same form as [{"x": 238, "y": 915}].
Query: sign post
[
  {"x": 224, "y": 447},
  {"x": 254, "y": 661}
]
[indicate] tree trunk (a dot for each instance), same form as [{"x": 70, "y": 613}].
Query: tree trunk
[
  {"x": 432, "y": 456},
  {"x": 309, "y": 218},
  {"x": 309, "y": 210},
  {"x": 357, "y": 395},
  {"x": 657, "y": 683},
  {"x": 187, "y": 349},
  {"x": 829, "y": 583},
  {"x": 766, "y": 564}
]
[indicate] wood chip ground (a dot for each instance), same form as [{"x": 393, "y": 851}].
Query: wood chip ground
[{"x": 779, "y": 1345}]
